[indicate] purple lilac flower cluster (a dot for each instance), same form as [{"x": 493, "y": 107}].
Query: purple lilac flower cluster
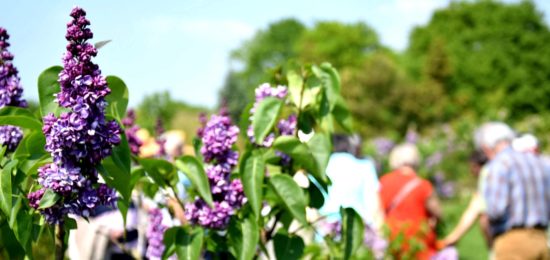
[
  {"x": 262, "y": 92},
  {"x": 159, "y": 130},
  {"x": 284, "y": 126},
  {"x": 79, "y": 139},
  {"x": 218, "y": 137},
  {"x": 155, "y": 235},
  {"x": 375, "y": 242},
  {"x": 131, "y": 130},
  {"x": 10, "y": 92}
]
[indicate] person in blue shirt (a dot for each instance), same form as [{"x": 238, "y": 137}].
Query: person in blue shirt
[{"x": 354, "y": 182}]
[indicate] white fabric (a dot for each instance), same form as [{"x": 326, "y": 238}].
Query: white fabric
[{"x": 354, "y": 184}]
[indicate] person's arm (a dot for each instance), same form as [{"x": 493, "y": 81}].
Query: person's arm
[
  {"x": 484, "y": 225},
  {"x": 466, "y": 222},
  {"x": 433, "y": 206}
]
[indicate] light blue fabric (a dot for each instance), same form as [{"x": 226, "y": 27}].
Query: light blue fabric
[{"x": 354, "y": 184}]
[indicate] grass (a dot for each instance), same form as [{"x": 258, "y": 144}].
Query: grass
[{"x": 472, "y": 246}]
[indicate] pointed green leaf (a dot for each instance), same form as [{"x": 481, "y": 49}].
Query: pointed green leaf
[
  {"x": 300, "y": 153},
  {"x": 19, "y": 117},
  {"x": 320, "y": 146},
  {"x": 5, "y": 187},
  {"x": 117, "y": 100},
  {"x": 244, "y": 236},
  {"x": 352, "y": 231},
  {"x": 265, "y": 116},
  {"x": 295, "y": 85},
  {"x": 48, "y": 199},
  {"x": 291, "y": 195},
  {"x": 47, "y": 88},
  {"x": 253, "y": 180},
  {"x": 161, "y": 171},
  {"x": 194, "y": 170},
  {"x": 186, "y": 242},
  {"x": 342, "y": 115},
  {"x": 288, "y": 247},
  {"x": 330, "y": 81}
]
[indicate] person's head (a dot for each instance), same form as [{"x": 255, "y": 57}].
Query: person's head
[
  {"x": 477, "y": 160},
  {"x": 492, "y": 137},
  {"x": 527, "y": 143},
  {"x": 404, "y": 155},
  {"x": 341, "y": 143},
  {"x": 347, "y": 144}
]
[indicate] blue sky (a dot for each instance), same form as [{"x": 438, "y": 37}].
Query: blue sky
[{"x": 183, "y": 46}]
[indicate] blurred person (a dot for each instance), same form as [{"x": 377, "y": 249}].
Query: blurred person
[
  {"x": 355, "y": 185},
  {"x": 517, "y": 194},
  {"x": 101, "y": 235},
  {"x": 476, "y": 208},
  {"x": 411, "y": 206},
  {"x": 354, "y": 182},
  {"x": 526, "y": 143}
]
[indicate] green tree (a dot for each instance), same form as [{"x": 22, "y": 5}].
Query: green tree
[
  {"x": 498, "y": 53},
  {"x": 265, "y": 51},
  {"x": 340, "y": 44}
]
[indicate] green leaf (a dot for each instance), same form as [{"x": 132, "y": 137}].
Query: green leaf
[
  {"x": 352, "y": 231},
  {"x": 186, "y": 242},
  {"x": 115, "y": 169},
  {"x": 342, "y": 115},
  {"x": 5, "y": 187},
  {"x": 169, "y": 241},
  {"x": 295, "y": 85},
  {"x": 48, "y": 199},
  {"x": 291, "y": 195},
  {"x": 47, "y": 88},
  {"x": 265, "y": 116},
  {"x": 316, "y": 198},
  {"x": 117, "y": 100},
  {"x": 19, "y": 117},
  {"x": 300, "y": 153},
  {"x": 121, "y": 154},
  {"x": 22, "y": 228},
  {"x": 194, "y": 170},
  {"x": 244, "y": 236},
  {"x": 329, "y": 80},
  {"x": 253, "y": 180},
  {"x": 288, "y": 247},
  {"x": 161, "y": 171},
  {"x": 320, "y": 146}
]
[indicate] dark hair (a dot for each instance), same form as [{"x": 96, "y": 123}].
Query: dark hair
[
  {"x": 478, "y": 157},
  {"x": 341, "y": 143}
]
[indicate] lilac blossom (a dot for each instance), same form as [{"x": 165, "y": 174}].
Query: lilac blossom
[
  {"x": 262, "y": 92},
  {"x": 131, "y": 130},
  {"x": 383, "y": 146},
  {"x": 155, "y": 235},
  {"x": 10, "y": 93},
  {"x": 375, "y": 242},
  {"x": 78, "y": 139},
  {"x": 218, "y": 136}
]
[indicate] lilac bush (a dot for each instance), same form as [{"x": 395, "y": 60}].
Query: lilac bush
[
  {"x": 10, "y": 92},
  {"x": 78, "y": 139},
  {"x": 218, "y": 137}
]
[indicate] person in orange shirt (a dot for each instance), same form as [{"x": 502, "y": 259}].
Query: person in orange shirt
[{"x": 410, "y": 204}]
